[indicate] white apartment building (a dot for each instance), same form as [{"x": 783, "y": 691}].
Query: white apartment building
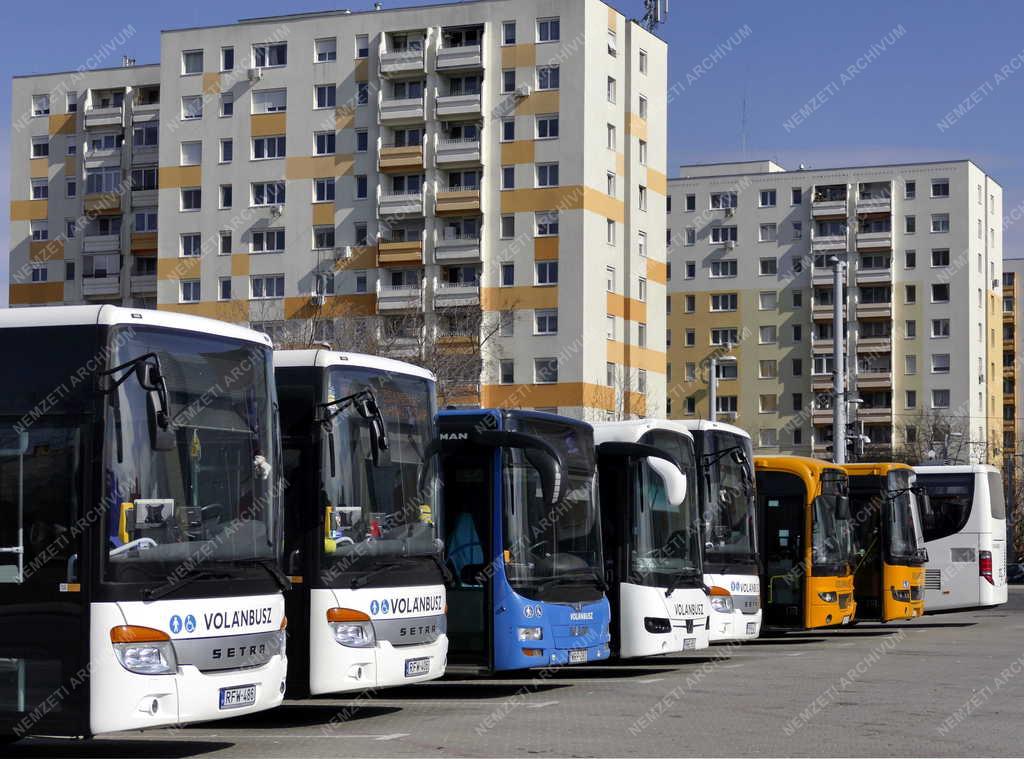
[
  {"x": 411, "y": 166},
  {"x": 751, "y": 280}
]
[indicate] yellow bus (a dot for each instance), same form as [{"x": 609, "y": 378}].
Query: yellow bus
[
  {"x": 806, "y": 542},
  {"x": 890, "y": 553}
]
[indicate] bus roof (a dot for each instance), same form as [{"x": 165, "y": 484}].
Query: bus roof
[
  {"x": 703, "y": 425},
  {"x": 320, "y": 357},
  {"x": 632, "y": 430},
  {"x": 876, "y": 468},
  {"x": 107, "y": 316},
  {"x": 803, "y": 465},
  {"x": 957, "y": 469}
]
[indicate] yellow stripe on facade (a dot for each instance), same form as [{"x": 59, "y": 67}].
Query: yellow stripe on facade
[{"x": 513, "y": 298}]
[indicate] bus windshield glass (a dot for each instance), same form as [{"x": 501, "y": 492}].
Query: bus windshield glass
[
  {"x": 905, "y": 537},
  {"x": 371, "y": 499},
  {"x": 729, "y": 499},
  {"x": 550, "y": 545},
  {"x": 666, "y": 537},
  {"x": 207, "y": 493},
  {"x": 951, "y": 497},
  {"x": 832, "y": 533}
]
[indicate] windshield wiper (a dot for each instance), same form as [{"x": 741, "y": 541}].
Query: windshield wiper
[
  {"x": 271, "y": 566},
  {"x": 155, "y": 594},
  {"x": 446, "y": 574},
  {"x": 589, "y": 573},
  {"x": 363, "y": 579},
  {"x": 677, "y": 579}
]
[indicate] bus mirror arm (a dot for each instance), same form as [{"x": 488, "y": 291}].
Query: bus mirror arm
[
  {"x": 662, "y": 462},
  {"x": 433, "y": 448},
  {"x": 150, "y": 376},
  {"x": 365, "y": 404},
  {"x": 545, "y": 458}
]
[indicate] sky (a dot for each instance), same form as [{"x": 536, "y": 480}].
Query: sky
[{"x": 878, "y": 81}]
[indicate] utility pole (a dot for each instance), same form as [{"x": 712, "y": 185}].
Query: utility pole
[
  {"x": 712, "y": 388},
  {"x": 838, "y": 378}
]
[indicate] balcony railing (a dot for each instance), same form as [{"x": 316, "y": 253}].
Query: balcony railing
[
  {"x": 104, "y": 117},
  {"x": 461, "y": 57},
  {"x": 457, "y": 103},
  {"x": 401, "y": 61},
  {"x": 105, "y": 285},
  {"x": 451, "y": 151},
  {"x": 400, "y": 110}
]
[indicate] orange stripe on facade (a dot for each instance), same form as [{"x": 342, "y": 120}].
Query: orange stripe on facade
[
  {"x": 636, "y": 357},
  {"x": 545, "y": 248},
  {"x": 636, "y": 126},
  {"x": 29, "y": 210},
  {"x": 361, "y": 70},
  {"x": 344, "y": 117},
  {"x": 512, "y": 298},
  {"x": 50, "y": 250},
  {"x": 62, "y": 123},
  {"x": 226, "y": 311},
  {"x": 323, "y": 214},
  {"x": 39, "y": 168},
  {"x": 70, "y": 166},
  {"x": 626, "y": 308},
  {"x": 335, "y": 306},
  {"x": 516, "y": 56},
  {"x": 143, "y": 241},
  {"x": 657, "y": 271},
  {"x": 657, "y": 181},
  {"x": 568, "y": 198},
  {"x": 320, "y": 166},
  {"x": 268, "y": 124},
  {"x": 36, "y": 293},
  {"x": 239, "y": 264},
  {"x": 211, "y": 83},
  {"x": 545, "y": 101},
  {"x": 178, "y": 268},
  {"x": 173, "y": 177},
  {"x": 361, "y": 258},
  {"x": 560, "y": 394},
  {"x": 519, "y": 151}
]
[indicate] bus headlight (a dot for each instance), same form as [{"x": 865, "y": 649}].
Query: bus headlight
[
  {"x": 143, "y": 650},
  {"x": 351, "y": 627},
  {"x": 721, "y": 600},
  {"x": 903, "y": 596},
  {"x": 530, "y": 633},
  {"x": 828, "y": 596}
]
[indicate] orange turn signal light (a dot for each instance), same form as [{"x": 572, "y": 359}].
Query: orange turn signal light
[
  {"x": 717, "y": 590},
  {"x": 347, "y": 615},
  {"x": 284, "y": 622},
  {"x": 136, "y": 634}
]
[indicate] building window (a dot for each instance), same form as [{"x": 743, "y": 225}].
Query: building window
[
  {"x": 940, "y": 292},
  {"x": 767, "y": 233},
  {"x": 545, "y": 370},
  {"x": 910, "y": 224},
  {"x": 766, "y": 199},
  {"x": 191, "y": 153},
  {"x": 642, "y": 198},
  {"x": 546, "y": 223},
  {"x": 641, "y": 244},
  {"x": 227, "y": 59},
  {"x": 361, "y": 187},
  {"x": 325, "y": 143},
  {"x": 911, "y": 399},
  {"x": 940, "y": 222},
  {"x": 641, "y": 289},
  {"x": 940, "y": 398},
  {"x": 547, "y": 175},
  {"x": 268, "y": 286},
  {"x": 192, "y": 62},
  {"x": 506, "y": 323},
  {"x": 767, "y": 334},
  {"x": 226, "y": 196},
  {"x": 909, "y": 190},
  {"x": 642, "y": 152},
  {"x": 611, "y": 137},
  {"x": 269, "y": 101},
  {"x": 227, "y": 151},
  {"x": 720, "y": 235},
  {"x": 909, "y": 259},
  {"x": 268, "y": 193},
  {"x": 940, "y": 189},
  {"x": 224, "y": 289},
  {"x": 508, "y": 274},
  {"x": 506, "y": 371},
  {"x": 323, "y": 238},
  {"x": 689, "y": 303},
  {"x": 225, "y": 242},
  {"x": 768, "y": 300},
  {"x": 192, "y": 107},
  {"x": 227, "y": 104},
  {"x": 546, "y": 322},
  {"x": 325, "y": 50},
  {"x": 508, "y": 32},
  {"x": 324, "y": 96},
  {"x": 508, "y": 177},
  {"x": 362, "y": 46},
  {"x": 547, "y": 77},
  {"x": 910, "y": 363},
  {"x": 940, "y": 363},
  {"x": 323, "y": 190},
  {"x": 268, "y": 241},
  {"x": 362, "y": 93},
  {"x": 189, "y": 291},
  {"x": 548, "y": 29},
  {"x": 724, "y": 301},
  {"x": 691, "y": 236},
  {"x": 265, "y": 148},
  {"x": 191, "y": 199},
  {"x": 547, "y": 272},
  {"x": 40, "y": 147},
  {"x": 361, "y": 282},
  {"x": 270, "y": 54},
  {"x": 611, "y": 89}
]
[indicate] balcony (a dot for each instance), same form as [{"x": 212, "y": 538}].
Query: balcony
[
  {"x": 874, "y": 344},
  {"x": 104, "y": 117},
  {"x": 102, "y": 203},
  {"x": 143, "y": 284},
  {"x": 399, "y": 297},
  {"x": 874, "y": 240},
  {"x": 143, "y": 112},
  {"x": 104, "y": 286},
  {"x": 451, "y": 294},
  {"x": 400, "y": 111},
  {"x": 827, "y": 243},
  {"x": 868, "y": 378},
  {"x": 457, "y": 200},
  {"x": 100, "y": 157},
  {"x": 456, "y": 152},
  {"x": 457, "y": 104},
  {"x": 464, "y": 57},
  {"x": 401, "y": 61},
  {"x": 821, "y": 416},
  {"x": 454, "y": 247},
  {"x": 875, "y": 414},
  {"x": 145, "y": 154},
  {"x": 823, "y": 311},
  {"x": 874, "y": 310},
  {"x": 821, "y": 275},
  {"x": 144, "y": 198},
  {"x": 821, "y": 382},
  {"x": 821, "y": 343},
  {"x": 404, "y": 252},
  {"x": 400, "y": 203},
  {"x": 874, "y": 205},
  {"x": 874, "y": 276},
  {"x": 101, "y": 243},
  {"x": 400, "y": 158}
]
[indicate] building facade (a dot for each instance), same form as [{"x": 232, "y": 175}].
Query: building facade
[
  {"x": 751, "y": 249},
  {"x": 485, "y": 176}
]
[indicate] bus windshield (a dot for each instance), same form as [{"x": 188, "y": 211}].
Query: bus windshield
[
  {"x": 729, "y": 499},
  {"x": 550, "y": 545},
  {"x": 951, "y": 496},
  {"x": 208, "y": 494},
  {"x": 832, "y": 533},
  {"x": 665, "y": 537},
  {"x": 905, "y": 537},
  {"x": 374, "y": 507}
]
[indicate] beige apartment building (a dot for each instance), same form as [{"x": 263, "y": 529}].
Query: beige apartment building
[
  {"x": 498, "y": 163},
  {"x": 751, "y": 249}
]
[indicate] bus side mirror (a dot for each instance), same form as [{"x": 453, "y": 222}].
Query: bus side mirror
[
  {"x": 368, "y": 409},
  {"x": 542, "y": 456},
  {"x": 843, "y": 507},
  {"x": 151, "y": 379},
  {"x": 551, "y": 479},
  {"x": 675, "y": 481}
]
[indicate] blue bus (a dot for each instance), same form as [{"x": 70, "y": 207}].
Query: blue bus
[{"x": 523, "y": 538}]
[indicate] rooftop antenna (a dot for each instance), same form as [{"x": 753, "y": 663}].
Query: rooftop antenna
[
  {"x": 655, "y": 12},
  {"x": 377, "y": 5}
]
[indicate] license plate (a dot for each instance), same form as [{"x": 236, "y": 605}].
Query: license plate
[
  {"x": 578, "y": 656},
  {"x": 233, "y": 698},
  {"x": 751, "y": 626},
  {"x": 846, "y": 619},
  {"x": 415, "y": 667}
]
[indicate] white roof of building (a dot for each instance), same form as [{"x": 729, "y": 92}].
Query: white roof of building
[
  {"x": 320, "y": 357},
  {"x": 106, "y": 315}
]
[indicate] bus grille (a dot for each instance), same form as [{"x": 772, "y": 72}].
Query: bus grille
[{"x": 933, "y": 579}]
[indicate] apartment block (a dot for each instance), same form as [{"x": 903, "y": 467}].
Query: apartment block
[
  {"x": 1013, "y": 391},
  {"x": 84, "y": 187},
  {"x": 751, "y": 254},
  {"x": 413, "y": 167}
]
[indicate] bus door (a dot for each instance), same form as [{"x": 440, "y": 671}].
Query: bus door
[
  {"x": 469, "y": 505},
  {"x": 866, "y": 506},
  {"x": 782, "y": 499}
]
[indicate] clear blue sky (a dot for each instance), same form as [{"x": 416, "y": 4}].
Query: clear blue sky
[{"x": 888, "y": 111}]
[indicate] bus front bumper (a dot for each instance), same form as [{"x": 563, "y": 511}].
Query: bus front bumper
[{"x": 734, "y": 626}]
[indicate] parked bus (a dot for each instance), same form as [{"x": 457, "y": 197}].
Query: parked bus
[
  {"x": 523, "y": 538},
  {"x": 965, "y": 534},
  {"x": 890, "y": 554},
  {"x": 140, "y": 527},
  {"x": 807, "y": 542},
  {"x": 650, "y": 524},
  {"x": 361, "y": 538},
  {"x": 729, "y": 530}
]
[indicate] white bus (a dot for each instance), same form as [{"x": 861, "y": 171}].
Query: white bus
[
  {"x": 732, "y": 561},
  {"x": 140, "y": 521},
  {"x": 650, "y": 525},
  {"x": 362, "y": 539},
  {"x": 964, "y": 527}
]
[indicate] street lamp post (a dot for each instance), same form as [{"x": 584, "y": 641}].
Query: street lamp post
[{"x": 838, "y": 378}]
